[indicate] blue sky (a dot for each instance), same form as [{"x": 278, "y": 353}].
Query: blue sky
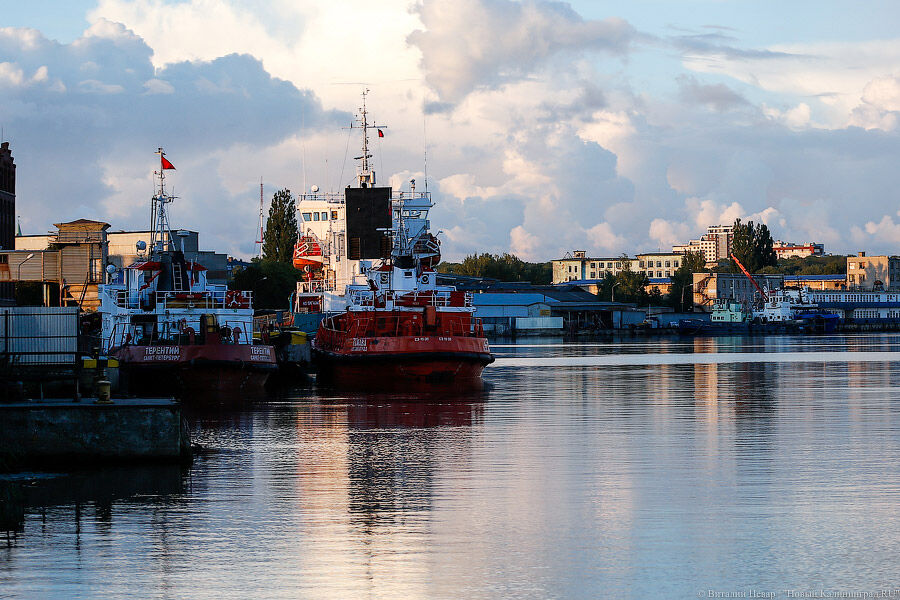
[{"x": 611, "y": 127}]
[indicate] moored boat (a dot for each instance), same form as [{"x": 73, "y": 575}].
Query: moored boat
[
  {"x": 171, "y": 330},
  {"x": 396, "y": 323}
]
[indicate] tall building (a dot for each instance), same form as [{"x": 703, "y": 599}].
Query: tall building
[
  {"x": 714, "y": 245},
  {"x": 7, "y": 213}
]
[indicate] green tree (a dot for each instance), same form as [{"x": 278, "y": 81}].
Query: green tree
[
  {"x": 753, "y": 246},
  {"x": 681, "y": 293},
  {"x": 271, "y": 282},
  {"x": 630, "y": 285},
  {"x": 281, "y": 228},
  {"x": 502, "y": 267}
]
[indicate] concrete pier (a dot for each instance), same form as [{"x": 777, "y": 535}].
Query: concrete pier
[{"x": 64, "y": 433}]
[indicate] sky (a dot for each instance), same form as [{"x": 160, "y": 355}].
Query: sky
[{"x": 544, "y": 127}]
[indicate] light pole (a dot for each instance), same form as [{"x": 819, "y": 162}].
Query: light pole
[
  {"x": 690, "y": 285},
  {"x": 612, "y": 293},
  {"x": 19, "y": 268}
]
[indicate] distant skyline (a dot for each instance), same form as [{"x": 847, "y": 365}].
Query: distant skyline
[{"x": 609, "y": 127}]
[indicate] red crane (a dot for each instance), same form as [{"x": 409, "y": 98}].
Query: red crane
[{"x": 750, "y": 277}]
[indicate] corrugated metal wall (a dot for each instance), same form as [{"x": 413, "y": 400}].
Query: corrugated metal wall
[
  {"x": 42, "y": 266},
  {"x": 39, "y": 336},
  {"x": 75, "y": 264}
]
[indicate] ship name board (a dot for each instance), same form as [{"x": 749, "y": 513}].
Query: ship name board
[
  {"x": 260, "y": 353},
  {"x": 162, "y": 353}
]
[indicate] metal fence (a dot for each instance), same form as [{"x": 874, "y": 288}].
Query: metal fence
[{"x": 31, "y": 335}]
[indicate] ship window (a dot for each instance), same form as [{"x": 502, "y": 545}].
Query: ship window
[{"x": 334, "y": 215}]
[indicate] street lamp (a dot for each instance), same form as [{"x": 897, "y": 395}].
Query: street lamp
[
  {"x": 612, "y": 293},
  {"x": 690, "y": 285},
  {"x": 19, "y": 268}
]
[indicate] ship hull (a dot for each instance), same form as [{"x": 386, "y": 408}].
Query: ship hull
[
  {"x": 199, "y": 373},
  {"x": 384, "y": 361}
]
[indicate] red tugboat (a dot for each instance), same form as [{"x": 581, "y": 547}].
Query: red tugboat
[
  {"x": 399, "y": 325},
  {"x": 172, "y": 331}
]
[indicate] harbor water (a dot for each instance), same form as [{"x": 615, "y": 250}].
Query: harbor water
[{"x": 636, "y": 468}]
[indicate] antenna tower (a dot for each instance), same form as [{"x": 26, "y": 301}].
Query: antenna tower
[
  {"x": 262, "y": 220},
  {"x": 161, "y": 237},
  {"x": 366, "y": 176}
]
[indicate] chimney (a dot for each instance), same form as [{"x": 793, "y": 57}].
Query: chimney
[{"x": 860, "y": 254}]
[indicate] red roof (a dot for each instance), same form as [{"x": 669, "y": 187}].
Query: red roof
[{"x": 147, "y": 265}]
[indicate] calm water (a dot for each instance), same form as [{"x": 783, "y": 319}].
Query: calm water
[{"x": 647, "y": 469}]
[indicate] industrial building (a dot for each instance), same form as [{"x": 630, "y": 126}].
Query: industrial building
[
  {"x": 576, "y": 266},
  {"x": 122, "y": 249},
  {"x": 709, "y": 287},
  {"x": 868, "y": 273},
  {"x": 75, "y": 260}
]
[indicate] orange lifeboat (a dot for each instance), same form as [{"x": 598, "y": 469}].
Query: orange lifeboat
[
  {"x": 308, "y": 253},
  {"x": 428, "y": 248}
]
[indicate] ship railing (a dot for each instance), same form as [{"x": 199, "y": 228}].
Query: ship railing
[
  {"x": 207, "y": 299},
  {"x": 314, "y": 286},
  {"x": 170, "y": 333},
  {"x": 367, "y": 298},
  {"x": 330, "y": 197}
]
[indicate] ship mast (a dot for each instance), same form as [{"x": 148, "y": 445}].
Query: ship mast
[
  {"x": 262, "y": 220},
  {"x": 161, "y": 238},
  {"x": 366, "y": 176}
]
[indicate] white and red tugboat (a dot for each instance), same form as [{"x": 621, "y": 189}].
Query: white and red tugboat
[
  {"x": 398, "y": 324},
  {"x": 170, "y": 330}
]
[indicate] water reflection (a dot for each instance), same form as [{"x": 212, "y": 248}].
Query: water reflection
[{"x": 646, "y": 478}]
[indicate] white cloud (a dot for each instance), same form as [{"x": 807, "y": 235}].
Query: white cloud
[
  {"x": 472, "y": 44},
  {"x": 10, "y": 75},
  {"x": 537, "y": 142}
]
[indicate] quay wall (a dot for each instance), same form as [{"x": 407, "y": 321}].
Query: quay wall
[{"x": 61, "y": 432}]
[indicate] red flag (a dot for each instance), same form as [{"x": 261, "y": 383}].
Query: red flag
[
  {"x": 380, "y": 133},
  {"x": 165, "y": 163}
]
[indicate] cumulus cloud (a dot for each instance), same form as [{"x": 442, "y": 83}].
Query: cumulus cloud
[
  {"x": 536, "y": 141},
  {"x": 474, "y": 44},
  {"x": 95, "y": 110},
  {"x": 718, "y": 96}
]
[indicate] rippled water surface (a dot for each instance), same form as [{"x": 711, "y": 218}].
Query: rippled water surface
[{"x": 657, "y": 468}]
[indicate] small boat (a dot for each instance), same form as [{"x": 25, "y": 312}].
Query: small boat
[{"x": 171, "y": 330}]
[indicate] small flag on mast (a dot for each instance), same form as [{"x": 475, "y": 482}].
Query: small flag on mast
[
  {"x": 165, "y": 163},
  {"x": 380, "y": 133}
]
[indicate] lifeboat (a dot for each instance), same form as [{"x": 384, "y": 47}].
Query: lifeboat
[{"x": 308, "y": 254}]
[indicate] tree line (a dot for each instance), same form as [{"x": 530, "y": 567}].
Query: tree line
[{"x": 273, "y": 278}]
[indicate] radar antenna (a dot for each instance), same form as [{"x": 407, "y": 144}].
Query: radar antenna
[{"x": 366, "y": 176}]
